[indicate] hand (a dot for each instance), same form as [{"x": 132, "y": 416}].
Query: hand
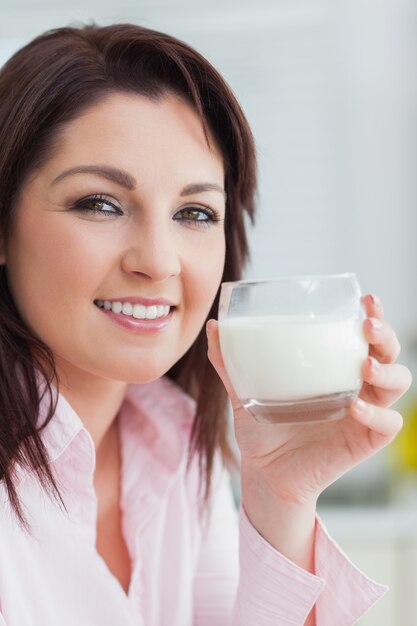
[{"x": 297, "y": 462}]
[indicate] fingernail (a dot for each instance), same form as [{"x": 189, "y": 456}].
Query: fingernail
[
  {"x": 375, "y": 323},
  {"x": 375, "y": 365},
  {"x": 375, "y": 301},
  {"x": 361, "y": 406}
]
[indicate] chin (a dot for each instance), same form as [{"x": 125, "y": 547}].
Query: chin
[{"x": 140, "y": 374}]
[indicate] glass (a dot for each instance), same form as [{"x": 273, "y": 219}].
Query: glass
[{"x": 293, "y": 347}]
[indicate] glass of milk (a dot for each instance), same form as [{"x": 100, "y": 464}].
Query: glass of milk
[{"x": 293, "y": 347}]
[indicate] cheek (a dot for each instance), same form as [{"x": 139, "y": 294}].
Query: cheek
[
  {"x": 203, "y": 278},
  {"x": 47, "y": 268}
]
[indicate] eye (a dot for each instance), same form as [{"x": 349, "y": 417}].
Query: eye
[
  {"x": 97, "y": 204},
  {"x": 201, "y": 216}
]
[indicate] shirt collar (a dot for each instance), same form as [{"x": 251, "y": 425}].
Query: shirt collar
[{"x": 155, "y": 416}]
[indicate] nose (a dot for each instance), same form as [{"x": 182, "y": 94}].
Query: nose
[{"x": 153, "y": 251}]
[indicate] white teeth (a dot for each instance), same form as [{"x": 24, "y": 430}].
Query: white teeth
[
  {"x": 127, "y": 308},
  {"x": 116, "y": 307},
  {"x": 150, "y": 312},
  {"x": 138, "y": 311}
]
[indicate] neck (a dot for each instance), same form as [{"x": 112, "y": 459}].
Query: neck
[{"x": 95, "y": 400}]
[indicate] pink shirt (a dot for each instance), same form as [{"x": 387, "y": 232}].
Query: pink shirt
[{"x": 186, "y": 571}]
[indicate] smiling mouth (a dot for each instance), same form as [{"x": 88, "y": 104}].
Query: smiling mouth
[{"x": 135, "y": 311}]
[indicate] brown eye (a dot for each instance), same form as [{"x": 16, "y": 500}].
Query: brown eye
[
  {"x": 97, "y": 205},
  {"x": 200, "y": 216},
  {"x": 194, "y": 214}
]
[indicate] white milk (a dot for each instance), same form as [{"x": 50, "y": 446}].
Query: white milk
[{"x": 288, "y": 357}]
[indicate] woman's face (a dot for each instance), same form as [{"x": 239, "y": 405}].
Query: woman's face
[{"x": 142, "y": 227}]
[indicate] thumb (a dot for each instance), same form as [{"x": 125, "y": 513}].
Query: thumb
[{"x": 215, "y": 356}]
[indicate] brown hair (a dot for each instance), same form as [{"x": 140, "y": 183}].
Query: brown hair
[{"x": 44, "y": 85}]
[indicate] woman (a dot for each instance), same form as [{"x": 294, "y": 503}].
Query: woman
[{"x": 125, "y": 171}]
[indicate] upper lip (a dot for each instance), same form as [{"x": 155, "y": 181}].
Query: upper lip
[{"x": 144, "y": 301}]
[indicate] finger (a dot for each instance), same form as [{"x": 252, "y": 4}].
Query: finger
[
  {"x": 383, "y": 424},
  {"x": 215, "y": 356},
  {"x": 383, "y": 342},
  {"x": 384, "y": 384},
  {"x": 373, "y": 306}
]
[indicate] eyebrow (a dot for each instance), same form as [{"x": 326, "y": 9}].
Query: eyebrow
[
  {"x": 126, "y": 180},
  {"x": 120, "y": 177},
  {"x": 189, "y": 190}
]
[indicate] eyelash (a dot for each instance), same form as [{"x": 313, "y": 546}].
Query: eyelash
[{"x": 212, "y": 215}]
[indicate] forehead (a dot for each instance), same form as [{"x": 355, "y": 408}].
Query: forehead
[{"x": 132, "y": 131}]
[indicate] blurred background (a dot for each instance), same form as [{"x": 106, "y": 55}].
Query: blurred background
[{"x": 330, "y": 89}]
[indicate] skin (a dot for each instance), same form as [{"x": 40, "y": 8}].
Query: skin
[
  {"x": 60, "y": 260},
  {"x": 285, "y": 469}
]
